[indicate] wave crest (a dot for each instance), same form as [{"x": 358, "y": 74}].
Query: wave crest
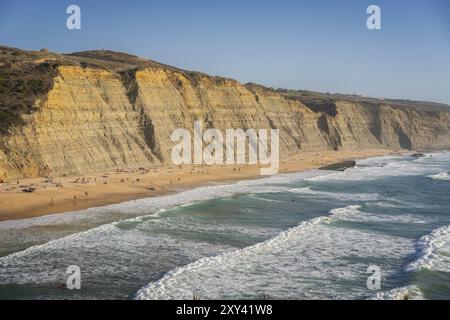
[
  {"x": 430, "y": 248},
  {"x": 442, "y": 176},
  {"x": 157, "y": 289},
  {"x": 403, "y": 293}
]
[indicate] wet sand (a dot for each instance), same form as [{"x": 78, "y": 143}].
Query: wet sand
[{"x": 71, "y": 193}]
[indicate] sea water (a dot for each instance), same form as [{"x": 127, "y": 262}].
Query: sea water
[{"x": 309, "y": 235}]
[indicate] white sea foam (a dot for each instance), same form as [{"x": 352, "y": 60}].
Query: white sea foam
[
  {"x": 404, "y": 293},
  {"x": 373, "y": 169},
  {"x": 336, "y": 195},
  {"x": 438, "y": 157},
  {"x": 385, "y": 217},
  {"x": 307, "y": 261},
  {"x": 106, "y": 252},
  {"x": 137, "y": 239},
  {"x": 442, "y": 176},
  {"x": 433, "y": 251},
  {"x": 343, "y": 213},
  {"x": 190, "y": 224},
  {"x": 397, "y": 218},
  {"x": 256, "y": 196}
]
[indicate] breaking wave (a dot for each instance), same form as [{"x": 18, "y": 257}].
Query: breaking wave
[
  {"x": 404, "y": 293},
  {"x": 312, "y": 251},
  {"x": 336, "y": 195},
  {"x": 369, "y": 170},
  {"x": 433, "y": 251},
  {"x": 443, "y": 176}
]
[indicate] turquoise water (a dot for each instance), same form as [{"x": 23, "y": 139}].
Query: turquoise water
[{"x": 309, "y": 235}]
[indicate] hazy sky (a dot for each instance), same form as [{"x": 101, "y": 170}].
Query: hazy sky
[{"x": 318, "y": 45}]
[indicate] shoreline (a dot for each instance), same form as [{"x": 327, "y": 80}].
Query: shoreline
[{"x": 78, "y": 192}]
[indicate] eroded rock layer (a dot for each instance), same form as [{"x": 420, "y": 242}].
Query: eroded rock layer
[{"x": 93, "y": 119}]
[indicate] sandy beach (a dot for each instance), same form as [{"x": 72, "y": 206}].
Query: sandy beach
[{"x": 71, "y": 193}]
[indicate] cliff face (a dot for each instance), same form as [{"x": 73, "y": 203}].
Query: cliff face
[
  {"x": 170, "y": 100},
  {"x": 94, "y": 118},
  {"x": 84, "y": 123},
  {"x": 362, "y": 125}
]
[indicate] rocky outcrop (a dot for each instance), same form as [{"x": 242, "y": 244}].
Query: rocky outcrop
[
  {"x": 340, "y": 166},
  {"x": 96, "y": 118}
]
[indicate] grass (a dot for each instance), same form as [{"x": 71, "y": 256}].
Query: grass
[
  {"x": 21, "y": 82},
  {"x": 26, "y": 76}
]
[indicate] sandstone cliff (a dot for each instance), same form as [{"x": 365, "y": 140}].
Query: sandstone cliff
[{"x": 99, "y": 110}]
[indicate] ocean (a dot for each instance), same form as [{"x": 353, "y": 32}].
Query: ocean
[{"x": 309, "y": 235}]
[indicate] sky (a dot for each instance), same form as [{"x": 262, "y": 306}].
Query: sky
[{"x": 321, "y": 45}]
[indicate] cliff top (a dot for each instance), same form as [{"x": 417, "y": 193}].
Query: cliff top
[
  {"x": 313, "y": 97},
  {"x": 320, "y": 101},
  {"x": 26, "y": 76}
]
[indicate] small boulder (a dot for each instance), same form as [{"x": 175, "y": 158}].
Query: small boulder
[
  {"x": 418, "y": 155},
  {"x": 340, "y": 166}
]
